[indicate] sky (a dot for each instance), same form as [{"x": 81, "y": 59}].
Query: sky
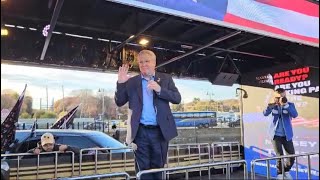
[{"x": 37, "y": 79}]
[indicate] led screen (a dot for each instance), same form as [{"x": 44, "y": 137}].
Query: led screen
[{"x": 294, "y": 20}]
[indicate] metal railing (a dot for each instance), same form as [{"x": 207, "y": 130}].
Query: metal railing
[
  {"x": 228, "y": 163},
  {"x": 192, "y": 146},
  {"x": 197, "y": 156},
  {"x": 20, "y": 155},
  {"x": 253, "y": 163},
  {"x": 109, "y": 151},
  {"x": 117, "y": 174},
  {"x": 224, "y": 152},
  {"x": 182, "y": 155},
  {"x": 225, "y": 144}
]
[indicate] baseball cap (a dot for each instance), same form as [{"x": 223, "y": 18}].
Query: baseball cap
[{"x": 47, "y": 138}]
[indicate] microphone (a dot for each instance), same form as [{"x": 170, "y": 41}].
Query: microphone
[
  {"x": 278, "y": 101},
  {"x": 149, "y": 78},
  {"x": 149, "y": 75},
  {"x": 272, "y": 104}
]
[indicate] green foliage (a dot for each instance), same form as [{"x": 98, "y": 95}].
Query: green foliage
[
  {"x": 27, "y": 105},
  {"x": 177, "y": 107},
  {"x": 39, "y": 113},
  {"x": 45, "y": 114},
  {"x": 198, "y": 105},
  {"x": 61, "y": 114},
  {"x": 9, "y": 98},
  {"x": 49, "y": 114},
  {"x": 25, "y": 115}
]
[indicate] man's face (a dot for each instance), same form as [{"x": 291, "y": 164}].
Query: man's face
[
  {"x": 147, "y": 64},
  {"x": 48, "y": 147},
  {"x": 277, "y": 94},
  {"x": 283, "y": 94}
]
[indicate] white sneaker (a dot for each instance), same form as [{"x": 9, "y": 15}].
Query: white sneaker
[
  {"x": 287, "y": 175},
  {"x": 280, "y": 176}
]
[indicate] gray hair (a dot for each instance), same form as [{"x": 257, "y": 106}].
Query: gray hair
[{"x": 149, "y": 53}]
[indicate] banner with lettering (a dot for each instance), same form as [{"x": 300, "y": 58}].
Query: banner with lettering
[{"x": 302, "y": 87}]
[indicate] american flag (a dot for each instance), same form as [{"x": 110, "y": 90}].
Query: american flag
[
  {"x": 298, "y": 19},
  {"x": 8, "y": 126},
  {"x": 65, "y": 121},
  {"x": 295, "y": 19}
]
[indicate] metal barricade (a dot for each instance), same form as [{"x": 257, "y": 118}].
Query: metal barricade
[
  {"x": 165, "y": 170},
  {"x": 253, "y": 163},
  {"x": 189, "y": 147},
  {"x": 20, "y": 155},
  {"x": 230, "y": 152},
  {"x": 109, "y": 150},
  {"x": 190, "y": 156},
  {"x": 226, "y": 155},
  {"x": 117, "y": 174}
]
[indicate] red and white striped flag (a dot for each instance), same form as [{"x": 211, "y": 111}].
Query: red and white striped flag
[{"x": 292, "y": 18}]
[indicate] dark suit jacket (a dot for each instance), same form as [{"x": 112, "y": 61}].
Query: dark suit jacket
[{"x": 132, "y": 91}]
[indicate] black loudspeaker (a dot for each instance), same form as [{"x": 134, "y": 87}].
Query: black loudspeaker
[{"x": 222, "y": 78}]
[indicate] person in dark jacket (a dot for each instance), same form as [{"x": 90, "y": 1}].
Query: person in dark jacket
[
  {"x": 150, "y": 122},
  {"x": 116, "y": 132},
  {"x": 47, "y": 144}
]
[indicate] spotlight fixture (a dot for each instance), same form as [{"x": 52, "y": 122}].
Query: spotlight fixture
[
  {"x": 4, "y": 32},
  {"x": 143, "y": 42},
  {"x": 184, "y": 46}
]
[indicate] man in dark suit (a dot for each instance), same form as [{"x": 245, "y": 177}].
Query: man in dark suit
[{"x": 151, "y": 125}]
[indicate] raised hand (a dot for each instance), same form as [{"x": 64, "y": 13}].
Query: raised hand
[
  {"x": 123, "y": 73},
  {"x": 271, "y": 105}
]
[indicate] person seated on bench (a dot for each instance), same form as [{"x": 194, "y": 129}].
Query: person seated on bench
[{"x": 48, "y": 144}]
